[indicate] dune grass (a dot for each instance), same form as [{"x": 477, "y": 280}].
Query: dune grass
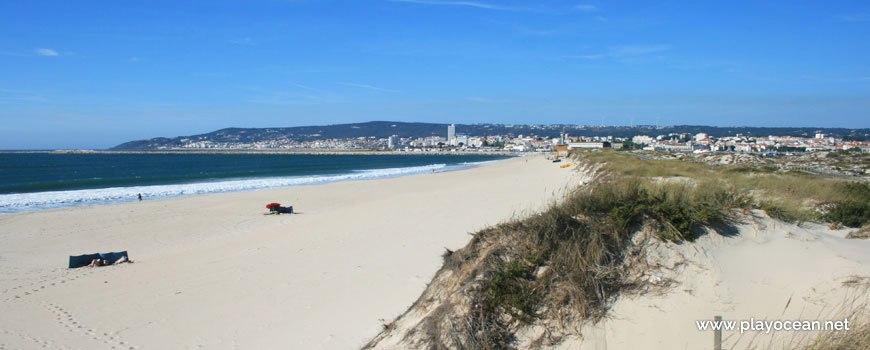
[
  {"x": 569, "y": 261},
  {"x": 785, "y": 195},
  {"x": 856, "y": 338}
]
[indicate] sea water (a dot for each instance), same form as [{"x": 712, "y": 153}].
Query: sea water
[{"x": 34, "y": 181}]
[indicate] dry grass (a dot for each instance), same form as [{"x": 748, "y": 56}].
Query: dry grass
[
  {"x": 862, "y": 233},
  {"x": 853, "y": 306},
  {"x": 569, "y": 262},
  {"x": 856, "y": 338},
  {"x": 788, "y": 196}
]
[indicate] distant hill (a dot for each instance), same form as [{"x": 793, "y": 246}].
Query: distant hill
[{"x": 383, "y": 129}]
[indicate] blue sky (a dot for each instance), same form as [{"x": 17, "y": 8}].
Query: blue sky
[{"x": 92, "y": 74}]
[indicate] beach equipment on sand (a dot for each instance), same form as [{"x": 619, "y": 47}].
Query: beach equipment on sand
[
  {"x": 85, "y": 260},
  {"x": 276, "y": 208}
]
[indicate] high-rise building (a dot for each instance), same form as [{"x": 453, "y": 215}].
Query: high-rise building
[
  {"x": 451, "y": 134},
  {"x": 393, "y": 142}
]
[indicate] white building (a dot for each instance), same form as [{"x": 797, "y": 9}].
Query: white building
[
  {"x": 574, "y": 145},
  {"x": 451, "y": 135},
  {"x": 642, "y": 139},
  {"x": 460, "y": 139},
  {"x": 393, "y": 142}
]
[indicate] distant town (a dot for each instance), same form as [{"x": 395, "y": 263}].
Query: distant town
[{"x": 421, "y": 137}]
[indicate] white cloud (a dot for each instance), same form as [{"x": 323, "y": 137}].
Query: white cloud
[
  {"x": 246, "y": 41},
  {"x": 305, "y": 87},
  {"x": 627, "y": 50},
  {"x": 475, "y": 4},
  {"x": 366, "y": 86},
  {"x": 45, "y": 52},
  {"x": 589, "y": 57},
  {"x": 586, "y": 8},
  {"x": 624, "y": 51}
]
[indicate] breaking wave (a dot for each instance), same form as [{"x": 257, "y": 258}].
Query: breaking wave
[{"x": 18, "y": 202}]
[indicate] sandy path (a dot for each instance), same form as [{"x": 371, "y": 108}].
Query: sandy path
[{"x": 212, "y": 272}]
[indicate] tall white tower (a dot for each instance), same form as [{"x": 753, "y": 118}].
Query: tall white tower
[{"x": 451, "y": 134}]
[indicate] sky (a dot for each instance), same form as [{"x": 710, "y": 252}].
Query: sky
[{"x": 94, "y": 74}]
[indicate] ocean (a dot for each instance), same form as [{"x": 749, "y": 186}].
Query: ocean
[{"x": 35, "y": 181}]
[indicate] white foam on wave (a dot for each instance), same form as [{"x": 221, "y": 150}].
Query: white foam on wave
[{"x": 18, "y": 202}]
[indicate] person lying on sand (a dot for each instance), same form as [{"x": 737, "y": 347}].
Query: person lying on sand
[{"x": 101, "y": 262}]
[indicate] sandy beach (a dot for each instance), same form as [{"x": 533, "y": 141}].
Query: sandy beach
[{"x": 213, "y": 272}]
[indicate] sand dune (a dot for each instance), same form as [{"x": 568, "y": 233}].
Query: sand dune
[
  {"x": 212, "y": 272},
  {"x": 769, "y": 270}
]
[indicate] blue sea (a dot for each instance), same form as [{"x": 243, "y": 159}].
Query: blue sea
[{"x": 35, "y": 181}]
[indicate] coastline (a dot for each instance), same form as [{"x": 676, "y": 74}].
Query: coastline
[
  {"x": 42, "y": 200},
  {"x": 212, "y": 271},
  {"x": 277, "y": 151}
]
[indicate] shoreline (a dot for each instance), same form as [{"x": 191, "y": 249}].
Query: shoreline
[
  {"x": 42, "y": 200},
  {"x": 276, "y": 151},
  {"x": 213, "y": 271}
]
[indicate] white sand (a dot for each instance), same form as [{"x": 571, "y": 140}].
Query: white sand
[
  {"x": 212, "y": 272},
  {"x": 770, "y": 271}
]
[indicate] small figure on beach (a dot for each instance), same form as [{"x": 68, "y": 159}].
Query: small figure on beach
[
  {"x": 140, "y": 197},
  {"x": 102, "y": 262},
  {"x": 276, "y": 208}
]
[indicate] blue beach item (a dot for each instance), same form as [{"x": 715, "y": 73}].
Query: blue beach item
[{"x": 85, "y": 260}]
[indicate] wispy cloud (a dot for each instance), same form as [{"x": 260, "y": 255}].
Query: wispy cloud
[
  {"x": 624, "y": 51},
  {"x": 480, "y": 5},
  {"x": 535, "y": 8},
  {"x": 45, "y": 52},
  {"x": 589, "y": 57},
  {"x": 134, "y": 59},
  {"x": 246, "y": 41},
  {"x": 366, "y": 86},
  {"x": 484, "y": 100},
  {"x": 305, "y": 87},
  {"x": 854, "y": 17}
]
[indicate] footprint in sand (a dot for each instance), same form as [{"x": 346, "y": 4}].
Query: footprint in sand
[{"x": 66, "y": 319}]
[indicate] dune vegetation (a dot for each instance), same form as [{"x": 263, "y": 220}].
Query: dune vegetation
[
  {"x": 786, "y": 195},
  {"x": 568, "y": 263}
]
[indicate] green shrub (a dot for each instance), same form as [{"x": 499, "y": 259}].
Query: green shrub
[
  {"x": 853, "y": 207},
  {"x": 848, "y": 213},
  {"x": 777, "y": 211},
  {"x": 509, "y": 291}
]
